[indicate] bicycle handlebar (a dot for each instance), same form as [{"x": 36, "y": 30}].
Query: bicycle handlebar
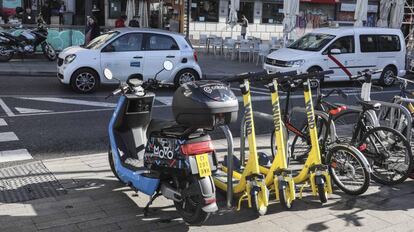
[{"x": 365, "y": 73}]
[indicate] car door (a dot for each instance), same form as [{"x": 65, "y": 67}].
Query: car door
[
  {"x": 159, "y": 48},
  {"x": 369, "y": 49},
  {"x": 124, "y": 56},
  {"x": 344, "y": 63}
]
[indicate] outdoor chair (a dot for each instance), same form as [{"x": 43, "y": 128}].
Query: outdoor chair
[
  {"x": 255, "y": 48},
  {"x": 244, "y": 49},
  {"x": 217, "y": 45},
  {"x": 202, "y": 42},
  {"x": 264, "y": 50},
  {"x": 229, "y": 48}
]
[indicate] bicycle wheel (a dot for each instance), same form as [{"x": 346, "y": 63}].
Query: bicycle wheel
[
  {"x": 349, "y": 169},
  {"x": 300, "y": 146},
  {"x": 389, "y": 154}
]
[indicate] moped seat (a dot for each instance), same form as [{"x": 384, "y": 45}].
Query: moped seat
[
  {"x": 369, "y": 105},
  {"x": 158, "y": 125}
]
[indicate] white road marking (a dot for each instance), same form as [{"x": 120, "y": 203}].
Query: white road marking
[
  {"x": 14, "y": 155},
  {"x": 30, "y": 111},
  {"x": 3, "y": 122},
  {"x": 71, "y": 101},
  {"x": 6, "y": 109},
  {"x": 8, "y": 136}
]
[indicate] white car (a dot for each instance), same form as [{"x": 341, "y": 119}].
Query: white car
[
  {"x": 127, "y": 51},
  {"x": 345, "y": 51}
]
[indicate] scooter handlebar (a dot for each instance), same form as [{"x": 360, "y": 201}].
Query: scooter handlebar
[
  {"x": 243, "y": 76},
  {"x": 312, "y": 75},
  {"x": 268, "y": 77}
]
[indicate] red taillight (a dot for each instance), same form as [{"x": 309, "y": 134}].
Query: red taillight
[
  {"x": 363, "y": 147},
  {"x": 195, "y": 56},
  {"x": 197, "y": 148}
]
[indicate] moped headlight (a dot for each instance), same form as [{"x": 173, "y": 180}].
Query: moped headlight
[
  {"x": 295, "y": 63},
  {"x": 70, "y": 58}
]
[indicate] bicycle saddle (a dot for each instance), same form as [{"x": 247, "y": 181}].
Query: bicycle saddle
[{"x": 369, "y": 105}]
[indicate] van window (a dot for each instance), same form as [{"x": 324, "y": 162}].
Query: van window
[
  {"x": 368, "y": 43},
  {"x": 389, "y": 43},
  {"x": 380, "y": 43},
  {"x": 312, "y": 42},
  {"x": 346, "y": 44}
]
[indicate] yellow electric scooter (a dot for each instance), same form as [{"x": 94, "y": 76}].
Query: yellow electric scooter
[
  {"x": 314, "y": 172},
  {"x": 249, "y": 183}
]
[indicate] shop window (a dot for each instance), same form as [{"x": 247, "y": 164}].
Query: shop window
[
  {"x": 126, "y": 43},
  {"x": 205, "y": 10},
  {"x": 272, "y": 13},
  {"x": 389, "y": 43},
  {"x": 116, "y": 8},
  {"x": 368, "y": 43},
  {"x": 345, "y": 45},
  {"x": 158, "y": 42},
  {"x": 246, "y": 9}
]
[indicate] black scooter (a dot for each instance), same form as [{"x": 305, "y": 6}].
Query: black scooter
[
  {"x": 26, "y": 43},
  {"x": 173, "y": 159}
]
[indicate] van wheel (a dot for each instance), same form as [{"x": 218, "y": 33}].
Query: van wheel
[
  {"x": 84, "y": 80},
  {"x": 387, "y": 76},
  {"x": 316, "y": 69},
  {"x": 184, "y": 76}
]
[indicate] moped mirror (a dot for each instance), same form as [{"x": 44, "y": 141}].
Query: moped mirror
[
  {"x": 108, "y": 74},
  {"x": 335, "y": 51},
  {"x": 168, "y": 65}
]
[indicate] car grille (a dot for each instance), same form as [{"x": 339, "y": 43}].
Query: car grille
[
  {"x": 60, "y": 62},
  {"x": 279, "y": 63},
  {"x": 60, "y": 76}
]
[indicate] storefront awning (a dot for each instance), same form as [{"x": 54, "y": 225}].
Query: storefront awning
[{"x": 321, "y": 1}]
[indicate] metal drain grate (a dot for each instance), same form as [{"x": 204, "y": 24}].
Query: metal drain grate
[{"x": 28, "y": 182}]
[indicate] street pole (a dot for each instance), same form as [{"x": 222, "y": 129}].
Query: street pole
[{"x": 187, "y": 33}]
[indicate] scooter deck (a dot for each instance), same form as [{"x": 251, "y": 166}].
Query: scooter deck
[{"x": 222, "y": 177}]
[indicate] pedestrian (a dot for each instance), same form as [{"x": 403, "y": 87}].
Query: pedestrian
[
  {"x": 28, "y": 17},
  {"x": 120, "y": 22},
  {"x": 62, "y": 11},
  {"x": 244, "y": 24},
  {"x": 92, "y": 29},
  {"x": 46, "y": 12},
  {"x": 134, "y": 21}
]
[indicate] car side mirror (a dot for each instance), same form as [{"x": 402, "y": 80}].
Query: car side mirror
[
  {"x": 335, "y": 51},
  {"x": 109, "y": 48}
]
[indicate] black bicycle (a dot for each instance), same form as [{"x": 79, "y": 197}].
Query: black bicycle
[{"x": 387, "y": 150}]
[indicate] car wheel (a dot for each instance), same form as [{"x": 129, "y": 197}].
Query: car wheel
[
  {"x": 387, "y": 76},
  {"x": 184, "y": 76},
  {"x": 84, "y": 80}
]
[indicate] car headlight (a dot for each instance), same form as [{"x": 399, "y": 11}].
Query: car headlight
[
  {"x": 295, "y": 63},
  {"x": 70, "y": 58}
]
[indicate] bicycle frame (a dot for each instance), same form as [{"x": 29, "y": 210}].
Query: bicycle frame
[{"x": 250, "y": 177}]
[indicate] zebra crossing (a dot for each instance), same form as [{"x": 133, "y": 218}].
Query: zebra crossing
[{"x": 9, "y": 137}]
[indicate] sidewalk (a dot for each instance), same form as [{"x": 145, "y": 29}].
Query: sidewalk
[
  {"x": 84, "y": 196},
  {"x": 213, "y": 67}
]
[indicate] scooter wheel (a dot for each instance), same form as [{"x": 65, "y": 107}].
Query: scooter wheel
[
  {"x": 284, "y": 197},
  {"x": 112, "y": 165},
  {"x": 322, "y": 193},
  {"x": 257, "y": 204}
]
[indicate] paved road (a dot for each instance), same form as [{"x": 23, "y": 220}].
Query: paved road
[{"x": 44, "y": 119}]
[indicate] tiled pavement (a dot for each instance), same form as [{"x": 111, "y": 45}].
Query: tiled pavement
[{"x": 95, "y": 201}]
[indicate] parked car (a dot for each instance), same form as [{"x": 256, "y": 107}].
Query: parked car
[
  {"x": 346, "y": 50},
  {"x": 127, "y": 51}
]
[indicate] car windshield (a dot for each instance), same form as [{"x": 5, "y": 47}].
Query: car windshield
[
  {"x": 99, "y": 41},
  {"x": 312, "y": 42}
]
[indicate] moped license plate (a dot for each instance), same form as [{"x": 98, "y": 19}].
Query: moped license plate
[{"x": 203, "y": 165}]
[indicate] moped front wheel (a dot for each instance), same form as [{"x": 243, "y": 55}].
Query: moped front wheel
[
  {"x": 49, "y": 51},
  {"x": 112, "y": 165},
  {"x": 5, "y": 56}
]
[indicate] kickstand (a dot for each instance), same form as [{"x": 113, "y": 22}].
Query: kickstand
[{"x": 153, "y": 197}]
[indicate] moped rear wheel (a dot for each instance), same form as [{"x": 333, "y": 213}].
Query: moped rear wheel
[{"x": 191, "y": 206}]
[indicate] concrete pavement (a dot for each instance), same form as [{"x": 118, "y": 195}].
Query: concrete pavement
[
  {"x": 213, "y": 67},
  {"x": 87, "y": 197}
]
